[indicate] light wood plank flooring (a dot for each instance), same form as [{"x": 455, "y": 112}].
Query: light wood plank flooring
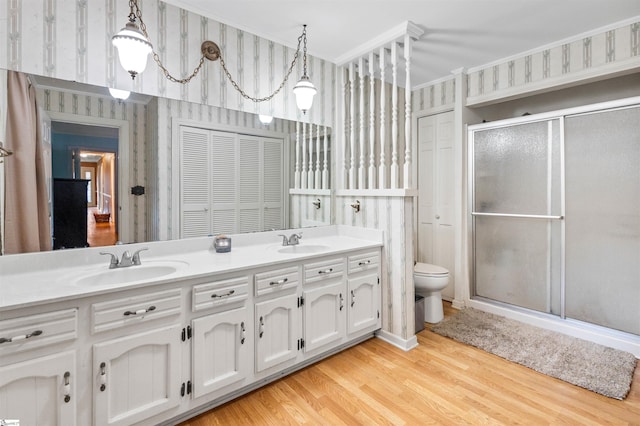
[{"x": 440, "y": 382}]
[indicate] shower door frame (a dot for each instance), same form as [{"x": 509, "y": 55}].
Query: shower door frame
[{"x": 471, "y": 214}]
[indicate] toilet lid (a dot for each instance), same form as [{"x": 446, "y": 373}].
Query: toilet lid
[{"x": 429, "y": 269}]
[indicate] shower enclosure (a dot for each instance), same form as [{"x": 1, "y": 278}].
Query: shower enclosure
[{"x": 555, "y": 213}]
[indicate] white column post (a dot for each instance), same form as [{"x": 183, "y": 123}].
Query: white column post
[
  {"x": 325, "y": 167},
  {"x": 382, "y": 169},
  {"x": 394, "y": 116},
  {"x": 318, "y": 172},
  {"x": 371, "y": 182},
  {"x": 310, "y": 174},
  {"x": 407, "y": 113},
  {"x": 303, "y": 178},
  {"x": 361, "y": 144},
  {"x": 352, "y": 128}
]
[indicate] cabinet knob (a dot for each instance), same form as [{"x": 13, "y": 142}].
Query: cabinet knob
[{"x": 437, "y": 216}]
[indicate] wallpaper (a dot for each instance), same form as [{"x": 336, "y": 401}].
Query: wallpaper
[{"x": 71, "y": 40}]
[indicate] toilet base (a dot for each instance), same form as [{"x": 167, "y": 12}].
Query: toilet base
[{"x": 433, "y": 312}]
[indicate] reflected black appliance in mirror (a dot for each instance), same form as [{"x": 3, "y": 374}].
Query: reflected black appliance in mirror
[{"x": 69, "y": 213}]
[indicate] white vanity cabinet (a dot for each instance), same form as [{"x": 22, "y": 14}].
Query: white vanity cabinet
[
  {"x": 363, "y": 286},
  {"x": 137, "y": 370},
  {"x": 324, "y": 305},
  {"x": 38, "y": 376},
  {"x": 221, "y": 338},
  {"x": 277, "y": 318}
]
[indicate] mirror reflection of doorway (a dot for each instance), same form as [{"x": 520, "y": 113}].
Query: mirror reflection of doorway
[
  {"x": 98, "y": 168},
  {"x": 89, "y": 153}
]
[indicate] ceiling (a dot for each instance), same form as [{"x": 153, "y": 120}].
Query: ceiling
[{"x": 457, "y": 33}]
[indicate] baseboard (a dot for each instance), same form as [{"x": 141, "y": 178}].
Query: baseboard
[
  {"x": 392, "y": 339},
  {"x": 457, "y": 303}
]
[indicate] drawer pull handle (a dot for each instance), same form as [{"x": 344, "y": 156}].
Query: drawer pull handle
[
  {"x": 325, "y": 271},
  {"x": 282, "y": 281},
  {"x": 366, "y": 262},
  {"x": 67, "y": 387},
  {"x": 140, "y": 311},
  {"x": 103, "y": 376},
  {"x": 20, "y": 337},
  {"x": 213, "y": 296}
]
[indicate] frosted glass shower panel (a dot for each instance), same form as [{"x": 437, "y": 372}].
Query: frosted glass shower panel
[
  {"x": 603, "y": 218},
  {"x": 517, "y": 169},
  {"x": 515, "y": 262}
]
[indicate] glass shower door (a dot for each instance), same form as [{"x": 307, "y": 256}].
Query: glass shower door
[
  {"x": 516, "y": 214},
  {"x": 603, "y": 218}
]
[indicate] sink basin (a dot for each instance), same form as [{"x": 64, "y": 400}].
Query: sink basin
[
  {"x": 303, "y": 249},
  {"x": 145, "y": 272}
]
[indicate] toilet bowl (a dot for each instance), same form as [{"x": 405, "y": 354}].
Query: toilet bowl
[{"x": 429, "y": 281}]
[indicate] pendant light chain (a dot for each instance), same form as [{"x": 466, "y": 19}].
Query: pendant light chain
[
  {"x": 303, "y": 37},
  {"x": 156, "y": 58}
]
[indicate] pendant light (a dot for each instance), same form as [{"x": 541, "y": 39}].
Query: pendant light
[{"x": 133, "y": 47}]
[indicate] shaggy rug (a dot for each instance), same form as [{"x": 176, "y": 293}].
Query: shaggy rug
[{"x": 595, "y": 367}]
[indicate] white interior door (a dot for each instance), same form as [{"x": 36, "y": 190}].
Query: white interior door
[{"x": 436, "y": 194}]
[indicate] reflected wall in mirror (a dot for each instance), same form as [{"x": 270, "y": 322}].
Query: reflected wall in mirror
[{"x": 148, "y": 151}]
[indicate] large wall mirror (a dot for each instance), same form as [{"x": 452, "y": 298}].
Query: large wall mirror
[{"x": 130, "y": 159}]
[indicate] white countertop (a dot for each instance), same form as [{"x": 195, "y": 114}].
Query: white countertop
[{"x": 37, "y": 278}]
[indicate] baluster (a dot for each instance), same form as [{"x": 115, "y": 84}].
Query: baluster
[
  {"x": 361, "y": 145},
  {"x": 407, "y": 113},
  {"x": 394, "y": 116},
  {"x": 318, "y": 172},
  {"x": 325, "y": 167},
  {"x": 310, "y": 175},
  {"x": 297, "y": 172},
  {"x": 352, "y": 128},
  {"x": 371, "y": 181},
  {"x": 345, "y": 131},
  {"x": 303, "y": 178},
  {"x": 382, "y": 170}
]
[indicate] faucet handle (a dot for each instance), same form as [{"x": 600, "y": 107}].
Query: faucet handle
[
  {"x": 113, "y": 263},
  {"x": 136, "y": 256}
]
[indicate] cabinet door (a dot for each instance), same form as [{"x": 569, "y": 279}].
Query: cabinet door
[
  {"x": 276, "y": 331},
  {"x": 220, "y": 355},
  {"x": 35, "y": 391},
  {"x": 364, "y": 303},
  {"x": 324, "y": 315},
  {"x": 136, "y": 377}
]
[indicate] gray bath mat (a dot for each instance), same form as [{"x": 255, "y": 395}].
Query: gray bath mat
[{"x": 595, "y": 367}]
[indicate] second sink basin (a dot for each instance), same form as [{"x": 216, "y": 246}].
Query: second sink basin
[
  {"x": 146, "y": 271},
  {"x": 303, "y": 249}
]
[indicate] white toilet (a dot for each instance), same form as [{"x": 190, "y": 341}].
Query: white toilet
[{"x": 429, "y": 281}]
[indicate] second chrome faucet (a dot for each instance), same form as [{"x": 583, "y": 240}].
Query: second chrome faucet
[
  {"x": 128, "y": 259},
  {"x": 292, "y": 240}
]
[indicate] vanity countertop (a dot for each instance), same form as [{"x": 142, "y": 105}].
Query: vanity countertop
[{"x": 37, "y": 278}]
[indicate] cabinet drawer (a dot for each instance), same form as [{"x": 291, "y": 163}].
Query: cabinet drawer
[
  {"x": 33, "y": 331},
  {"x": 135, "y": 309},
  {"x": 364, "y": 262},
  {"x": 276, "y": 280},
  {"x": 219, "y": 293},
  {"x": 317, "y": 271}
]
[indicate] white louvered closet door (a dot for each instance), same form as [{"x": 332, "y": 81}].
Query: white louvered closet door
[
  {"x": 249, "y": 178},
  {"x": 273, "y": 184},
  {"x": 195, "y": 179},
  {"x": 230, "y": 183},
  {"x": 224, "y": 160}
]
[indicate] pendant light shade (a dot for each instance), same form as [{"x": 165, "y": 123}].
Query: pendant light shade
[
  {"x": 119, "y": 94},
  {"x": 133, "y": 48},
  {"x": 304, "y": 91}
]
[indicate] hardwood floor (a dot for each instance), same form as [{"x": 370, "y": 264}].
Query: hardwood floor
[
  {"x": 440, "y": 382},
  {"x": 100, "y": 234}
]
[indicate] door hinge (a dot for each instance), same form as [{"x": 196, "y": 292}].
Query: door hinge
[
  {"x": 378, "y": 280},
  {"x": 185, "y": 388},
  {"x": 300, "y": 301},
  {"x": 300, "y": 344},
  {"x": 186, "y": 333}
]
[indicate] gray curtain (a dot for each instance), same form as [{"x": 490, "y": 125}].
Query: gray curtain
[{"x": 27, "y": 223}]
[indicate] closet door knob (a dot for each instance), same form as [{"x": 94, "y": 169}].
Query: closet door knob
[{"x": 437, "y": 216}]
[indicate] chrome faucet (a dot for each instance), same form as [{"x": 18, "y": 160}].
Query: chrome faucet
[
  {"x": 128, "y": 259},
  {"x": 293, "y": 240}
]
